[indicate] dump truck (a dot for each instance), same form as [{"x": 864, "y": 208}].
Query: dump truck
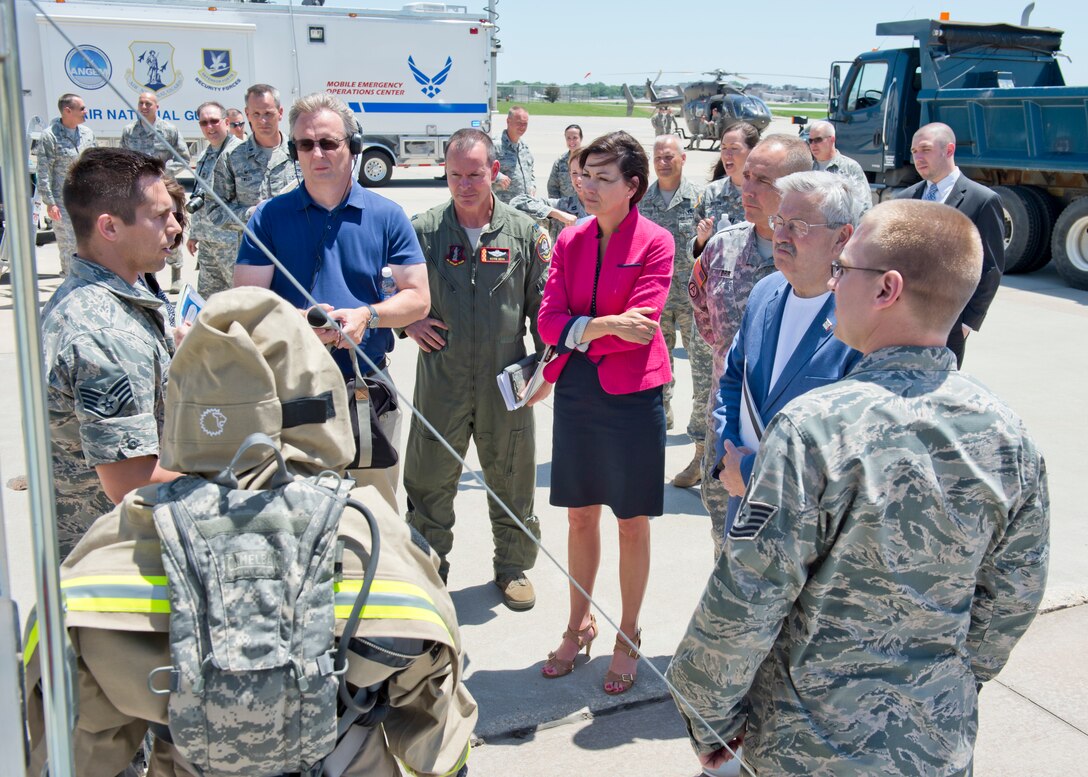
[{"x": 1019, "y": 128}]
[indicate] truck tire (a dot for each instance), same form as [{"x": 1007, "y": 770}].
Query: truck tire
[
  {"x": 376, "y": 168},
  {"x": 1023, "y": 229},
  {"x": 1048, "y": 211},
  {"x": 1069, "y": 245}
]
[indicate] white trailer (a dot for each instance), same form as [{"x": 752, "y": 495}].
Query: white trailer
[{"x": 413, "y": 76}]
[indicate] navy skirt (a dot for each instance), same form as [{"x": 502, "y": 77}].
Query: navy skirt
[{"x": 607, "y": 449}]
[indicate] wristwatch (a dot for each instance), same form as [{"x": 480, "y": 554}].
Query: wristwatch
[{"x": 372, "y": 323}]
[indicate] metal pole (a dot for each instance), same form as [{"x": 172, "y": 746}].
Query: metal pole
[
  {"x": 493, "y": 17},
  {"x": 53, "y": 639}
]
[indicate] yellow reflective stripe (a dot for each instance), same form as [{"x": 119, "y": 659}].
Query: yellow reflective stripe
[
  {"x": 87, "y": 580},
  {"x": 457, "y": 767},
  {"x": 379, "y": 612},
  {"x": 383, "y": 587},
  {"x": 107, "y": 604},
  {"x": 31, "y": 644}
]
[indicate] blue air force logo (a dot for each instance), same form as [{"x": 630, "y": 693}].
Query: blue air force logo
[
  {"x": 217, "y": 73},
  {"x": 430, "y": 84}
]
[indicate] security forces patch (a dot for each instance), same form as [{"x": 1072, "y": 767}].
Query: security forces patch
[
  {"x": 108, "y": 403},
  {"x": 751, "y": 521},
  {"x": 456, "y": 256},
  {"x": 490, "y": 255},
  {"x": 543, "y": 245}
]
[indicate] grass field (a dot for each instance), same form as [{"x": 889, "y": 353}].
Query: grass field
[
  {"x": 578, "y": 109},
  {"x": 808, "y": 110}
]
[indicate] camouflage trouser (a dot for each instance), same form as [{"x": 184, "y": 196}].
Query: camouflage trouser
[
  {"x": 701, "y": 359},
  {"x": 66, "y": 240},
  {"x": 678, "y": 318},
  {"x": 715, "y": 497},
  {"x": 216, "y": 262},
  {"x": 75, "y": 514},
  {"x": 175, "y": 258}
]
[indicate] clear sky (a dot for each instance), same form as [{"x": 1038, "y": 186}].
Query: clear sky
[{"x": 630, "y": 40}]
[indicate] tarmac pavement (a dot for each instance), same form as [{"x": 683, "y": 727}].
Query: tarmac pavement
[{"x": 1033, "y": 718}]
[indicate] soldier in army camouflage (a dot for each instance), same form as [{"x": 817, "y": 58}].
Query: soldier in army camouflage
[
  {"x": 218, "y": 246},
  {"x": 487, "y": 265},
  {"x": 735, "y": 259},
  {"x": 103, "y": 333},
  {"x": 657, "y": 121},
  {"x": 64, "y": 140},
  {"x": 893, "y": 543},
  {"x": 161, "y": 140},
  {"x": 670, "y": 202},
  {"x": 258, "y": 168},
  {"x": 515, "y": 159},
  {"x": 721, "y": 205}
]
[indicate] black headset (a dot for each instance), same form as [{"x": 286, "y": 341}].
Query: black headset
[{"x": 355, "y": 144}]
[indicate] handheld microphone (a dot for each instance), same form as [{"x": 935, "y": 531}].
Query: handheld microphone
[{"x": 318, "y": 318}]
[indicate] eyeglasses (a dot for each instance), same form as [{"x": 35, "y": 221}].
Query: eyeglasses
[
  {"x": 236, "y": 124},
  {"x": 814, "y": 141},
  {"x": 796, "y": 227},
  {"x": 326, "y": 144},
  {"x": 838, "y": 268},
  {"x": 209, "y": 122}
]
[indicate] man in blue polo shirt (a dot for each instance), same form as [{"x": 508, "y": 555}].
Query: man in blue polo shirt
[{"x": 334, "y": 237}]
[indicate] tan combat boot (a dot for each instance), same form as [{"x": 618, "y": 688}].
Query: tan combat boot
[{"x": 692, "y": 474}]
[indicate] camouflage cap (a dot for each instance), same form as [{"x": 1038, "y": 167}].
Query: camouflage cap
[{"x": 252, "y": 364}]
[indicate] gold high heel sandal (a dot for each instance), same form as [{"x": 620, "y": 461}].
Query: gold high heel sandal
[
  {"x": 624, "y": 681},
  {"x": 582, "y": 638}
]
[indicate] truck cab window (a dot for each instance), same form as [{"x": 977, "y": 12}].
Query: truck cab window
[{"x": 867, "y": 89}]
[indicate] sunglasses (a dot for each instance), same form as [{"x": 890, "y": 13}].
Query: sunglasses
[
  {"x": 326, "y": 144},
  {"x": 208, "y": 122},
  {"x": 236, "y": 124}
]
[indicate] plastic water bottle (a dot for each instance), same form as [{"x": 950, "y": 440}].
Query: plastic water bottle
[{"x": 388, "y": 285}]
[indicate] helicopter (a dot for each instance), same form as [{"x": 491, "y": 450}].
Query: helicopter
[{"x": 710, "y": 107}]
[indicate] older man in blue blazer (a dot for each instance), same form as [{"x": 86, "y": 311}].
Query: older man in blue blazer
[{"x": 786, "y": 344}]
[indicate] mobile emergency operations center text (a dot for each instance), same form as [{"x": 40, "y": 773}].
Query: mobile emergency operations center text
[{"x": 412, "y": 76}]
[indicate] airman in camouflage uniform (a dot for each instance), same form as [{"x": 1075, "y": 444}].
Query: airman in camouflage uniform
[
  {"x": 58, "y": 148},
  {"x": 678, "y": 216},
  {"x": 259, "y": 167},
  {"x": 892, "y": 545},
  {"x": 218, "y": 246},
  {"x": 158, "y": 141},
  {"x": 821, "y": 140},
  {"x": 559, "y": 183},
  {"x": 721, "y": 280},
  {"x": 104, "y": 340},
  {"x": 107, "y": 355},
  {"x": 542, "y": 209},
  {"x": 864, "y": 526},
  {"x": 515, "y": 159}
]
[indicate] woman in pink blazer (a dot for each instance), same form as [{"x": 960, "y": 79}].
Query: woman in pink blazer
[{"x": 602, "y": 302}]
